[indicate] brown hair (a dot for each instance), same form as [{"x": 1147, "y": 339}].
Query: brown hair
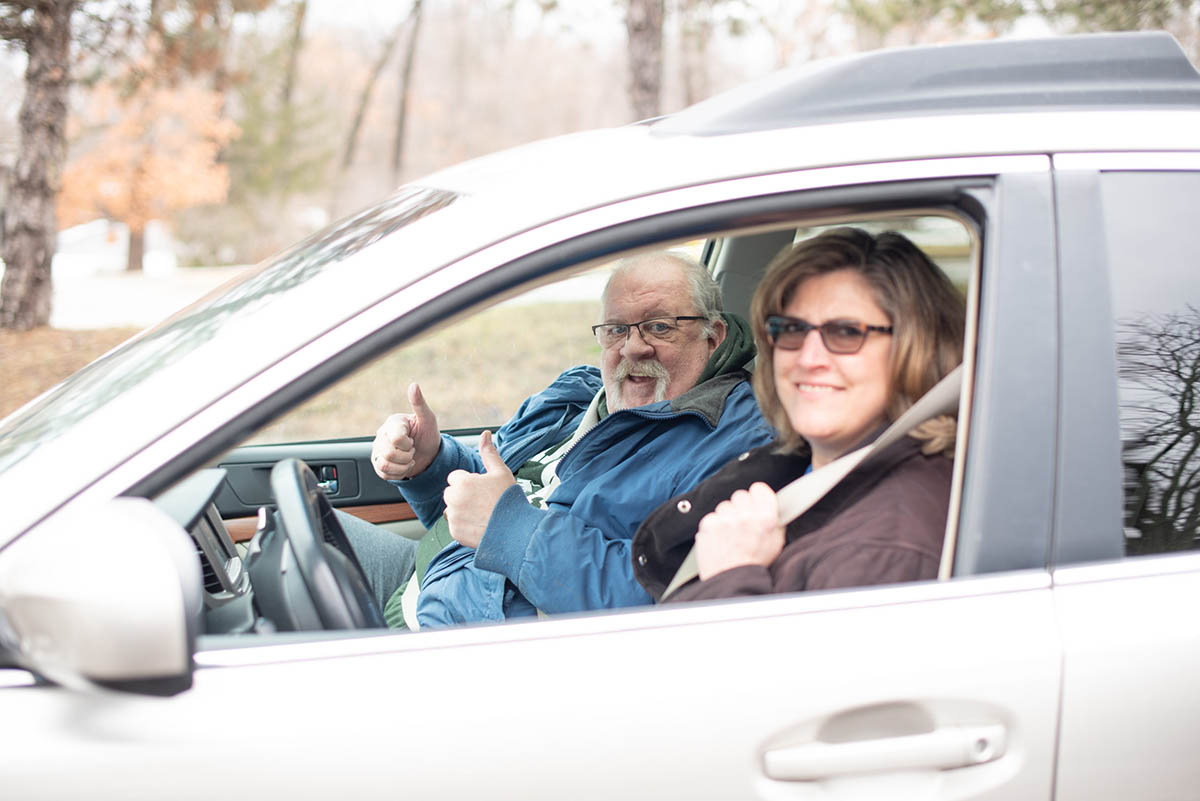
[{"x": 926, "y": 310}]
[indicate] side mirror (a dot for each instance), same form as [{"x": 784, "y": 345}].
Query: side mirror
[{"x": 106, "y": 594}]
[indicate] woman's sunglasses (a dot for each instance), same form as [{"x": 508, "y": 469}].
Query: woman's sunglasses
[{"x": 839, "y": 336}]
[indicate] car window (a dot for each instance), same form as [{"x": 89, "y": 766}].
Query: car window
[
  {"x": 1149, "y": 225},
  {"x": 474, "y": 371},
  {"x": 944, "y": 239}
]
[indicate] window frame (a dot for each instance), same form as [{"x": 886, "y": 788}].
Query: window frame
[
  {"x": 986, "y": 190},
  {"x": 1089, "y": 506}
]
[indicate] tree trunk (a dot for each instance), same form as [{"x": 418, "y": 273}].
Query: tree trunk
[
  {"x": 644, "y": 26},
  {"x": 696, "y": 28},
  {"x": 222, "y": 17},
  {"x": 139, "y": 211},
  {"x": 137, "y": 250},
  {"x": 405, "y": 84},
  {"x": 364, "y": 99},
  {"x": 286, "y": 126},
  {"x": 294, "y": 48},
  {"x": 29, "y": 222}
]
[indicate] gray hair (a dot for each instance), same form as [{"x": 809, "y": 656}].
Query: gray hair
[{"x": 705, "y": 292}]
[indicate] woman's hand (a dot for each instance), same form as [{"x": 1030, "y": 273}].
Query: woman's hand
[{"x": 743, "y": 530}]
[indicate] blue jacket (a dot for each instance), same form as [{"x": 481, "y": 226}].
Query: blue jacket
[{"x": 574, "y": 555}]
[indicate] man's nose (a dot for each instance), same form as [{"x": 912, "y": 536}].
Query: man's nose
[{"x": 636, "y": 346}]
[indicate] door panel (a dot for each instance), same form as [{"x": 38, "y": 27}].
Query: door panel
[
  {"x": 344, "y": 466},
  {"x": 247, "y": 485},
  {"x": 1130, "y": 697},
  {"x": 666, "y": 703},
  {"x": 355, "y": 488},
  {"x": 1127, "y": 476}
]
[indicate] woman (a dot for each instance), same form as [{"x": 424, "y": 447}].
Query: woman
[{"x": 851, "y": 330}]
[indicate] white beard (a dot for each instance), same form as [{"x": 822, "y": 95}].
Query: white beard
[{"x": 651, "y": 368}]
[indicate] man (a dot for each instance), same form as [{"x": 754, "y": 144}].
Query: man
[{"x": 594, "y": 454}]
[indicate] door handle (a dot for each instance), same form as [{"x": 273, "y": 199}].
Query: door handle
[
  {"x": 327, "y": 479},
  {"x": 949, "y": 747}
]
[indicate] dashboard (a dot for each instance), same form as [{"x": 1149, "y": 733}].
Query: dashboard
[{"x": 228, "y": 596}]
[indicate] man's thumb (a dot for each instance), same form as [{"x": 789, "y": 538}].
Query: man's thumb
[
  {"x": 416, "y": 399},
  {"x": 491, "y": 457}
]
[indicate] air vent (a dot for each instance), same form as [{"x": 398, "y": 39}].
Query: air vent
[{"x": 212, "y": 584}]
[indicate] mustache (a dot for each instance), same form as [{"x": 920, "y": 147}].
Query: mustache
[{"x": 649, "y": 368}]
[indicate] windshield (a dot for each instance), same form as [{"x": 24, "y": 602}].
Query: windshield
[{"x": 127, "y": 366}]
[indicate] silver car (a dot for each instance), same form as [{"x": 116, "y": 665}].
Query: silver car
[{"x": 1056, "y": 180}]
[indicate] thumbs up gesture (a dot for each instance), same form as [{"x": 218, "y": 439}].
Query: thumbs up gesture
[
  {"x": 471, "y": 497},
  {"x": 406, "y": 443}
]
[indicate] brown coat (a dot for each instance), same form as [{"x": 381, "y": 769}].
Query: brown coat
[{"x": 883, "y": 523}]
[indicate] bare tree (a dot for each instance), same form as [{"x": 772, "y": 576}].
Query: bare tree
[
  {"x": 43, "y": 29},
  {"x": 186, "y": 40},
  {"x": 295, "y": 45},
  {"x": 1159, "y": 358},
  {"x": 364, "y": 99},
  {"x": 695, "y": 38},
  {"x": 644, "y": 27},
  {"x": 414, "y": 17},
  {"x": 287, "y": 109}
]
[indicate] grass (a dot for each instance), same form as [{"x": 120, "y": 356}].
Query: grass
[
  {"x": 33, "y": 361},
  {"x": 473, "y": 373}
]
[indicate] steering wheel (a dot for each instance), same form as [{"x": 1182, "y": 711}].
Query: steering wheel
[{"x": 329, "y": 570}]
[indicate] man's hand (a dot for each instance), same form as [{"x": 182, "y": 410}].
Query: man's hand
[
  {"x": 406, "y": 443},
  {"x": 743, "y": 530},
  {"x": 471, "y": 497}
]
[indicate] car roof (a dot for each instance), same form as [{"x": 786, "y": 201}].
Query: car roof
[{"x": 1092, "y": 71}]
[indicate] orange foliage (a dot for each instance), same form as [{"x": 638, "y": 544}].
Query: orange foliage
[{"x": 137, "y": 158}]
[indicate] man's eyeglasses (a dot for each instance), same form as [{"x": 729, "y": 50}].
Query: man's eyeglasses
[
  {"x": 657, "y": 329},
  {"x": 839, "y": 336}
]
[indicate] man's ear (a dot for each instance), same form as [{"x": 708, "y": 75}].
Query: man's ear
[{"x": 719, "y": 332}]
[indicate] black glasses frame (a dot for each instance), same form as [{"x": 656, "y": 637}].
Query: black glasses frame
[
  {"x": 596, "y": 329},
  {"x": 778, "y": 324}
]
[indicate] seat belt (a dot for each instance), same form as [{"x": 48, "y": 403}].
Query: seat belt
[{"x": 798, "y": 497}]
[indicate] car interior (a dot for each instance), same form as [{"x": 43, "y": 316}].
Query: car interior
[{"x": 273, "y": 556}]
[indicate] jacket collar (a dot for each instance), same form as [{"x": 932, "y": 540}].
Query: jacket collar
[{"x": 708, "y": 398}]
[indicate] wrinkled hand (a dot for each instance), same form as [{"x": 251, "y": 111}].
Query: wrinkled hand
[
  {"x": 471, "y": 497},
  {"x": 743, "y": 530},
  {"x": 406, "y": 443}
]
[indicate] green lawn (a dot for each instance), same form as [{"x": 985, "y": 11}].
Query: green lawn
[{"x": 473, "y": 373}]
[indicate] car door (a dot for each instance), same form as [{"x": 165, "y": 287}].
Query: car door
[
  {"x": 944, "y": 689},
  {"x": 342, "y": 467},
  {"x": 1128, "y": 575}
]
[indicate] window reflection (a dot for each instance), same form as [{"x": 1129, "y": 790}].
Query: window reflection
[
  {"x": 1159, "y": 367},
  {"x": 1148, "y": 225}
]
